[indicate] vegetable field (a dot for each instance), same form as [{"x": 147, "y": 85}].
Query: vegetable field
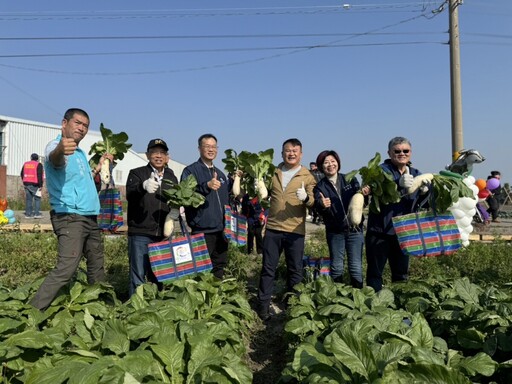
[{"x": 450, "y": 324}]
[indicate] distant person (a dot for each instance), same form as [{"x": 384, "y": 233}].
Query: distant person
[
  {"x": 255, "y": 214},
  {"x": 208, "y": 218},
  {"x": 381, "y": 241},
  {"x": 318, "y": 175},
  {"x": 290, "y": 197},
  {"x": 332, "y": 197},
  {"x": 75, "y": 206},
  {"x": 493, "y": 198},
  {"x": 32, "y": 177},
  {"x": 147, "y": 211}
]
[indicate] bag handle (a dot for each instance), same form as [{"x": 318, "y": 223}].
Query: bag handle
[
  {"x": 431, "y": 199},
  {"x": 186, "y": 233}
]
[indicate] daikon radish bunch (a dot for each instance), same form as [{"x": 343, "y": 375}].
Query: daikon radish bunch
[
  {"x": 178, "y": 195},
  {"x": 383, "y": 188},
  {"x": 257, "y": 171},
  {"x": 113, "y": 143}
]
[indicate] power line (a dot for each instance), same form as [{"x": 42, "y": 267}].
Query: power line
[
  {"x": 157, "y": 37},
  {"x": 211, "y": 50}
]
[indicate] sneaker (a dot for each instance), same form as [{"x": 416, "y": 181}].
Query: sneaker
[
  {"x": 308, "y": 217},
  {"x": 28, "y": 217},
  {"x": 38, "y": 216}
]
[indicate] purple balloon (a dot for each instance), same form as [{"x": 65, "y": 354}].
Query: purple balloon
[{"x": 493, "y": 184}]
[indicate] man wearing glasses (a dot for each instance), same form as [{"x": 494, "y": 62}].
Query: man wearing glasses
[
  {"x": 381, "y": 241},
  {"x": 208, "y": 218}
]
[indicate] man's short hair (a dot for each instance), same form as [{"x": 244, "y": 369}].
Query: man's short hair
[
  {"x": 72, "y": 111},
  {"x": 206, "y": 136},
  {"x": 294, "y": 142},
  {"x": 398, "y": 140}
]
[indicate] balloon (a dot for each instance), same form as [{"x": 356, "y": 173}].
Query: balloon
[
  {"x": 484, "y": 194},
  {"x": 464, "y": 222},
  {"x": 492, "y": 184},
  {"x": 472, "y": 212},
  {"x": 481, "y": 184},
  {"x": 464, "y": 236},
  {"x": 466, "y": 203},
  {"x": 12, "y": 220},
  {"x": 475, "y": 189},
  {"x": 9, "y": 213},
  {"x": 465, "y": 243},
  {"x": 457, "y": 213},
  {"x": 469, "y": 181}
]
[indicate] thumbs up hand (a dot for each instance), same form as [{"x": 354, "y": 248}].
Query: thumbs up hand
[
  {"x": 151, "y": 185},
  {"x": 325, "y": 201},
  {"x": 301, "y": 193},
  {"x": 214, "y": 184},
  {"x": 406, "y": 179}
]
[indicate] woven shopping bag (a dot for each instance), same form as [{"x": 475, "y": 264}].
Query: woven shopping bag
[
  {"x": 427, "y": 233},
  {"x": 111, "y": 210},
  {"x": 181, "y": 256},
  {"x": 235, "y": 226}
]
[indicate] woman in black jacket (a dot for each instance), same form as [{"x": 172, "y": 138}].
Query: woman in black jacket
[{"x": 332, "y": 197}]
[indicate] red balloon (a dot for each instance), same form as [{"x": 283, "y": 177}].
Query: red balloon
[{"x": 484, "y": 194}]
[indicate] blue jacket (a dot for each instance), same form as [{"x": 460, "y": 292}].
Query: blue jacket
[
  {"x": 382, "y": 222},
  {"x": 335, "y": 217},
  {"x": 208, "y": 217}
]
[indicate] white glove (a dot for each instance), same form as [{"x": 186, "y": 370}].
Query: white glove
[
  {"x": 406, "y": 179},
  {"x": 301, "y": 193},
  {"x": 151, "y": 184}
]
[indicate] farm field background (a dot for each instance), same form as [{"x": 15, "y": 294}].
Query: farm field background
[{"x": 462, "y": 300}]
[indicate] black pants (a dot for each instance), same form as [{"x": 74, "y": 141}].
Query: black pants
[
  {"x": 218, "y": 250},
  {"x": 494, "y": 207},
  {"x": 254, "y": 233}
]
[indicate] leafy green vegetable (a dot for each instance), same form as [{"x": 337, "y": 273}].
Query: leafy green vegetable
[
  {"x": 113, "y": 143},
  {"x": 448, "y": 190},
  {"x": 384, "y": 189},
  {"x": 255, "y": 167},
  {"x": 183, "y": 194}
]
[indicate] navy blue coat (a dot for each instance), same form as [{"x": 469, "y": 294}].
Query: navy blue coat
[
  {"x": 335, "y": 217},
  {"x": 382, "y": 222},
  {"x": 209, "y": 217}
]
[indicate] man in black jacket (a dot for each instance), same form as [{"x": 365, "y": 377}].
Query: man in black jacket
[
  {"x": 147, "y": 210},
  {"x": 208, "y": 218}
]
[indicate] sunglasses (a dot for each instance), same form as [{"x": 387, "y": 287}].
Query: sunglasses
[{"x": 399, "y": 151}]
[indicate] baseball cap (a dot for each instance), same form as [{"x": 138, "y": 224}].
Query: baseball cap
[{"x": 158, "y": 143}]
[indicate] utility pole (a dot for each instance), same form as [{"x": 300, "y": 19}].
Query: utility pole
[{"x": 455, "y": 85}]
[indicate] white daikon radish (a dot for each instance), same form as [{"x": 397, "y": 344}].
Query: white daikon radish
[
  {"x": 105, "y": 171},
  {"x": 355, "y": 209},
  {"x": 262, "y": 190},
  {"x": 169, "y": 224},
  {"x": 236, "y": 186}
]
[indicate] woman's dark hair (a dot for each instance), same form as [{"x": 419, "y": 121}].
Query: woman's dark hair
[{"x": 321, "y": 158}]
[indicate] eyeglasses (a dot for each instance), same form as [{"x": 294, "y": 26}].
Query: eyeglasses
[
  {"x": 399, "y": 151},
  {"x": 210, "y": 147}
]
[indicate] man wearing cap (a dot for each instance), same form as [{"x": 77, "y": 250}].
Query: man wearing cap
[
  {"x": 32, "y": 177},
  {"x": 147, "y": 210}
]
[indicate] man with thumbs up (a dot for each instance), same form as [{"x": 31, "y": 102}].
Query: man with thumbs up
[
  {"x": 208, "y": 218},
  {"x": 147, "y": 210},
  {"x": 75, "y": 206},
  {"x": 291, "y": 195},
  {"x": 381, "y": 241}
]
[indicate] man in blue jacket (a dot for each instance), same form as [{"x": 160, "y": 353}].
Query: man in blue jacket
[
  {"x": 208, "y": 218},
  {"x": 381, "y": 240}
]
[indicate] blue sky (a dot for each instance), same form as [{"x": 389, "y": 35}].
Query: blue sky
[{"x": 255, "y": 73}]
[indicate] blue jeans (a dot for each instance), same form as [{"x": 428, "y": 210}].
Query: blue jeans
[
  {"x": 350, "y": 243},
  {"x": 32, "y": 202},
  {"x": 140, "y": 268}
]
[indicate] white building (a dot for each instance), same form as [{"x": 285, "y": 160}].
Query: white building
[{"x": 20, "y": 138}]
